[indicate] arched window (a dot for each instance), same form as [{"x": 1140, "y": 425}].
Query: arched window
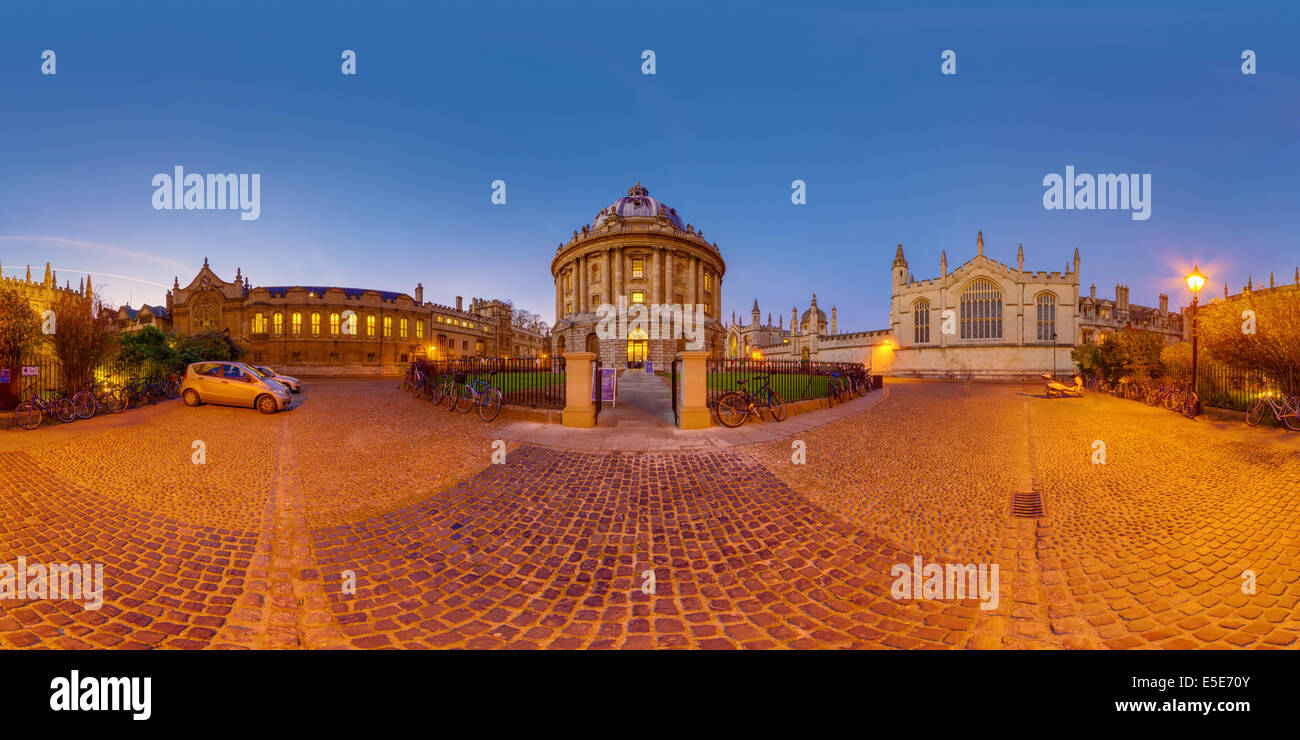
[
  {"x": 921, "y": 322},
  {"x": 1046, "y": 304},
  {"x": 297, "y": 323},
  {"x": 419, "y": 328},
  {"x": 388, "y": 327},
  {"x": 402, "y": 328},
  {"x": 981, "y": 310},
  {"x": 259, "y": 323},
  {"x": 370, "y": 325},
  {"x": 315, "y": 323},
  {"x": 277, "y": 323},
  {"x": 334, "y": 323}
]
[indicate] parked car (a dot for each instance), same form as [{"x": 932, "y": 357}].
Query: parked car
[
  {"x": 288, "y": 382},
  {"x": 233, "y": 384}
]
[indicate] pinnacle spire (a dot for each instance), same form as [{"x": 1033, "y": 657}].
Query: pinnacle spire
[
  {"x": 899, "y": 259},
  {"x": 979, "y": 243}
]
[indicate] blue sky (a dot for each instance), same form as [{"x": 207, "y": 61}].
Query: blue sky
[{"x": 384, "y": 179}]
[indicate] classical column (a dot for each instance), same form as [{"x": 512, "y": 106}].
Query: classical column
[
  {"x": 577, "y": 284},
  {"x": 607, "y": 277},
  {"x": 618, "y": 287},
  {"x": 559, "y": 294},
  {"x": 670, "y": 291},
  {"x": 692, "y": 285},
  {"x": 653, "y": 297}
]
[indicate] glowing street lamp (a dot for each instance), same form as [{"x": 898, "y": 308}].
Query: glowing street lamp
[{"x": 1195, "y": 281}]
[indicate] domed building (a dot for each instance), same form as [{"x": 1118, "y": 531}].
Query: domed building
[{"x": 639, "y": 250}]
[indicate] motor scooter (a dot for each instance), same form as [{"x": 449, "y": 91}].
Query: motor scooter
[{"x": 1059, "y": 390}]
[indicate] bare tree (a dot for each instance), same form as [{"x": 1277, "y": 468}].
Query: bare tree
[
  {"x": 20, "y": 329},
  {"x": 82, "y": 337}
]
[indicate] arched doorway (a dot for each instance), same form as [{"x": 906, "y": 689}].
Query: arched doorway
[
  {"x": 804, "y": 354},
  {"x": 593, "y": 343},
  {"x": 559, "y": 346},
  {"x": 638, "y": 346}
]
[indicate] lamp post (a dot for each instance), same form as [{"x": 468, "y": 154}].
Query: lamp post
[{"x": 1195, "y": 281}]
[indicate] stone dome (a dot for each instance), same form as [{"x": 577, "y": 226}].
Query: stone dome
[{"x": 638, "y": 204}]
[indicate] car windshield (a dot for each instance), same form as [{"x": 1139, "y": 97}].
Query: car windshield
[{"x": 265, "y": 372}]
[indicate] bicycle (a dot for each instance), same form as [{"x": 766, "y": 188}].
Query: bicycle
[
  {"x": 734, "y": 407},
  {"x": 479, "y": 393},
  {"x": 1286, "y": 411},
  {"x": 87, "y": 403},
  {"x": 835, "y": 390},
  {"x": 30, "y": 413}
]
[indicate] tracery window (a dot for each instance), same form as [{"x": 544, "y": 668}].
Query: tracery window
[
  {"x": 921, "y": 322},
  {"x": 981, "y": 310},
  {"x": 1046, "y": 305}
]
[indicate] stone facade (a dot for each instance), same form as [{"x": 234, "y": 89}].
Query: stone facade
[
  {"x": 42, "y": 294},
  {"x": 305, "y": 329},
  {"x": 636, "y": 249},
  {"x": 812, "y": 337}
]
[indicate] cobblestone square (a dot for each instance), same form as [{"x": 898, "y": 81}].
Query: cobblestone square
[{"x": 365, "y": 518}]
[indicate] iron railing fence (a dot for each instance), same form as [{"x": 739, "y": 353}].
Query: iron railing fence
[
  {"x": 49, "y": 376},
  {"x": 534, "y": 382},
  {"x": 1227, "y": 387},
  {"x": 793, "y": 380}
]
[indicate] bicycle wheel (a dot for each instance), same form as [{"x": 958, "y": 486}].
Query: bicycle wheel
[
  {"x": 776, "y": 405},
  {"x": 27, "y": 415},
  {"x": 1292, "y": 421},
  {"x": 1255, "y": 414},
  {"x": 63, "y": 410},
  {"x": 436, "y": 393},
  {"x": 1191, "y": 405},
  {"x": 453, "y": 390},
  {"x": 732, "y": 409},
  {"x": 84, "y": 404},
  {"x": 172, "y": 389},
  {"x": 465, "y": 399},
  {"x": 114, "y": 402},
  {"x": 491, "y": 405}
]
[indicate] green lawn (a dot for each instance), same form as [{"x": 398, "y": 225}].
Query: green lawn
[
  {"x": 510, "y": 382},
  {"x": 790, "y": 386}
]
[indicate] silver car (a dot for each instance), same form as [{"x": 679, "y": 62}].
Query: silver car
[
  {"x": 232, "y": 384},
  {"x": 287, "y": 381}
]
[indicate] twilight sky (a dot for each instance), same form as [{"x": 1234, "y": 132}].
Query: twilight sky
[{"x": 383, "y": 179}]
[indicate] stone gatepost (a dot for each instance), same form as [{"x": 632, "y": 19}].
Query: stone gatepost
[
  {"x": 579, "y": 410},
  {"x": 695, "y": 391}
]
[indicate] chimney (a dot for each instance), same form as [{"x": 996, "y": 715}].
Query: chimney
[
  {"x": 835, "y": 321},
  {"x": 459, "y": 302},
  {"x": 1164, "y": 303},
  {"x": 1092, "y": 291},
  {"x": 419, "y": 294}
]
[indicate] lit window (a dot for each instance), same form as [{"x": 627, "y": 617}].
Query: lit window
[
  {"x": 638, "y": 296},
  {"x": 921, "y": 322},
  {"x": 981, "y": 310},
  {"x": 370, "y": 326},
  {"x": 297, "y": 323},
  {"x": 277, "y": 322},
  {"x": 315, "y": 323},
  {"x": 259, "y": 323},
  {"x": 568, "y": 281},
  {"x": 568, "y": 308},
  {"x": 707, "y": 309},
  {"x": 638, "y": 268},
  {"x": 334, "y": 323},
  {"x": 388, "y": 327},
  {"x": 402, "y": 330},
  {"x": 419, "y": 328},
  {"x": 706, "y": 281},
  {"x": 1046, "y": 304}
]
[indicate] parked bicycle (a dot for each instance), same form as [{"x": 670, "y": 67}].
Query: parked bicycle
[
  {"x": 479, "y": 393},
  {"x": 87, "y": 403},
  {"x": 1286, "y": 409},
  {"x": 30, "y": 413},
  {"x": 734, "y": 407}
]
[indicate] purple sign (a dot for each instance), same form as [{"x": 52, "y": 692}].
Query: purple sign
[
  {"x": 4, "y": 375},
  {"x": 649, "y": 367},
  {"x": 606, "y": 385},
  {"x": 31, "y": 371}
]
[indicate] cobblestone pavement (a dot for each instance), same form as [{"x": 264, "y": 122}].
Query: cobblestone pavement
[{"x": 363, "y": 485}]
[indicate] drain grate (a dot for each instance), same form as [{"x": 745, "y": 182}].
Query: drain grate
[{"x": 1027, "y": 505}]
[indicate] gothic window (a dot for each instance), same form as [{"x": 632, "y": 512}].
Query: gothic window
[
  {"x": 334, "y": 323},
  {"x": 277, "y": 323},
  {"x": 388, "y": 327},
  {"x": 1046, "y": 305},
  {"x": 206, "y": 313},
  {"x": 419, "y": 328},
  {"x": 259, "y": 323},
  {"x": 297, "y": 323},
  {"x": 981, "y": 310},
  {"x": 921, "y": 322},
  {"x": 370, "y": 325},
  {"x": 315, "y": 323},
  {"x": 402, "y": 328}
]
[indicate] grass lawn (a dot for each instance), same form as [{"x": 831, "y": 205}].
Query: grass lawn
[{"x": 790, "y": 386}]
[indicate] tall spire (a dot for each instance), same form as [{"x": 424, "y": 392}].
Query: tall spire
[
  {"x": 979, "y": 243},
  {"x": 29, "y": 273},
  {"x": 1020, "y": 257},
  {"x": 899, "y": 260},
  {"x": 88, "y": 288},
  {"x": 1076, "y": 260},
  {"x": 46, "y": 282},
  {"x": 943, "y": 263}
]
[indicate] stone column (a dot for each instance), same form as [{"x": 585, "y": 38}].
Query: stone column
[
  {"x": 607, "y": 278},
  {"x": 618, "y": 287},
  {"x": 579, "y": 284},
  {"x": 692, "y": 284},
  {"x": 670, "y": 291},
  {"x": 694, "y": 405},
  {"x": 654, "y": 296},
  {"x": 559, "y": 295},
  {"x": 579, "y": 409}
]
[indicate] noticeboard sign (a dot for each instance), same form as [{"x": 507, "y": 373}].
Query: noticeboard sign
[
  {"x": 649, "y": 367},
  {"x": 606, "y": 385},
  {"x": 31, "y": 371},
  {"x": 4, "y": 375}
]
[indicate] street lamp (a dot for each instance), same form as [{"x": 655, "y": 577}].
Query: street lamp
[{"x": 1195, "y": 281}]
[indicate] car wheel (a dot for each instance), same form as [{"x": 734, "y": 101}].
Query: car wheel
[
  {"x": 267, "y": 405},
  {"x": 191, "y": 397}
]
